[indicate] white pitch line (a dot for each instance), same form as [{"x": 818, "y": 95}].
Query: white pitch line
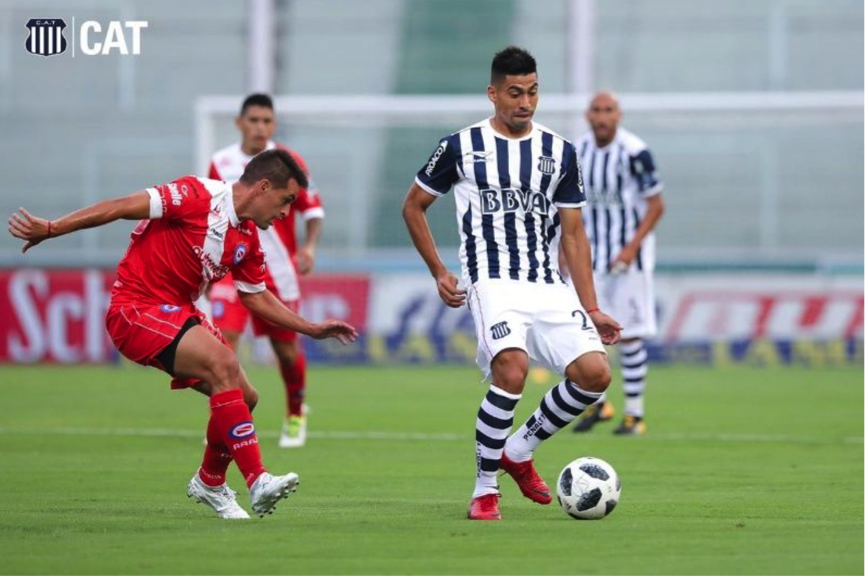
[{"x": 420, "y": 436}]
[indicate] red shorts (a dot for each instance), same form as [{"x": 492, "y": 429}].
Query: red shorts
[
  {"x": 142, "y": 331},
  {"x": 264, "y": 328},
  {"x": 230, "y": 315}
]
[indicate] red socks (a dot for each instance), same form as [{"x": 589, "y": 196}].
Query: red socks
[
  {"x": 215, "y": 464},
  {"x": 294, "y": 379},
  {"x": 231, "y": 426}
]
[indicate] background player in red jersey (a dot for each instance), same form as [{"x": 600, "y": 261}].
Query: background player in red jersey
[
  {"x": 194, "y": 231},
  {"x": 283, "y": 258}
]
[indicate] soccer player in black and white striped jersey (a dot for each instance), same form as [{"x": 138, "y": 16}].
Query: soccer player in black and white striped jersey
[
  {"x": 516, "y": 185},
  {"x": 623, "y": 192}
]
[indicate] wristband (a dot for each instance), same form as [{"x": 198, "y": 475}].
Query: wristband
[
  {"x": 49, "y": 229},
  {"x": 593, "y": 310}
]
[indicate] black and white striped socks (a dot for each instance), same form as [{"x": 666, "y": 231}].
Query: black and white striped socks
[
  {"x": 633, "y": 358},
  {"x": 559, "y": 407},
  {"x": 494, "y": 423}
]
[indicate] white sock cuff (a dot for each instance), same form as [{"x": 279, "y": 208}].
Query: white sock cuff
[
  {"x": 498, "y": 391},
  {"x": 595, "y": 395}
]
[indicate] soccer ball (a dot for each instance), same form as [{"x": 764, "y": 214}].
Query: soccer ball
[{"x": 588, "y": 489}]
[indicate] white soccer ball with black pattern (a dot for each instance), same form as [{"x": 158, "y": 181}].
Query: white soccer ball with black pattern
[{"x": 588, "y": 489}]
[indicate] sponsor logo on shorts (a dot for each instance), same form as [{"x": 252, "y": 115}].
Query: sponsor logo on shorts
[
  {"x": 169, "y": 308},
  {"x": 242, "y": 430},
  {"x": 500, "y": 330},
  {"x": 218, "y": 309},
  {"x": 239, "y": 253}
]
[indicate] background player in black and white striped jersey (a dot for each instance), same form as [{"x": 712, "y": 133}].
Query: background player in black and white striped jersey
[
  {"x": 516, "y": 183},
  {"x": 623, "y": 192}
]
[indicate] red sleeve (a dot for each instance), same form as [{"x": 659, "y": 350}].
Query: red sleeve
[
  {"x": 213, "y": 173},
  {"x": 249, "y": 272},
  {"x": 184, "y": 199}
]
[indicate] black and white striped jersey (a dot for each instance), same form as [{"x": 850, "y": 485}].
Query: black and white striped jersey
[
  {"x": 618, "y": 179},
  {"x": 506, "y": 192}
]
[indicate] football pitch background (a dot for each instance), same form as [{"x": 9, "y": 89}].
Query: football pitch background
[{"x": 743, "y": 471}]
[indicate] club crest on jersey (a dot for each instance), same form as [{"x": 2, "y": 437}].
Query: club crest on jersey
[
  {"x": 242, "y": 430},
  {"x": 46, "y": 36},
  {"x": 239, "y": 253},
  {"x": 546, "y": 164},
  {"x": 169, "y": 308}
]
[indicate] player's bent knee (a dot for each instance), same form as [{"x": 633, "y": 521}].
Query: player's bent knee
[
  {"x": 591, "y": 372},
  {"x": 225, "y": 373},
  {"x": 250, "y": 396},
  {"x": 510, "y": 369},
  {"x": 597, "y": 380},
  {"x": 286, "y": 352}
]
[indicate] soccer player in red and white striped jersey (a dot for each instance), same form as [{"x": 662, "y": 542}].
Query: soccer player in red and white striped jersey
[
  {"x": 283, "y": 258},
  {"x": 194, "y": 231}
]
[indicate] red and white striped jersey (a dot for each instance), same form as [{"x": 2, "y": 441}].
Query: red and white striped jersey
[
  {"x": 280, "y": 240},
  {"x": 193, "y": 237}
]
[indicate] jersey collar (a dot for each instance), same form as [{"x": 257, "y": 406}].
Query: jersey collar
[
  {"x": 489, "y": 124},
  {"x": 232, "y": 213}
]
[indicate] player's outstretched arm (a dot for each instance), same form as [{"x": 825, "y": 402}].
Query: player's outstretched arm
[
  {"x": 414, "y": 208},
  {"x": 577, "y": 253},
  {"x": 34, "y": 230},
  {"x": 267, "y": 306}
]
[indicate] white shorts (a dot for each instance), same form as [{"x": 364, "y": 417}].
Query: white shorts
[
  {"x": 545, "y": 320},
  {"x": 630, "y": 299}
]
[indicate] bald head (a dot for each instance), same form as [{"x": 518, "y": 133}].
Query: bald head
[{"x": 603, "y": 116}]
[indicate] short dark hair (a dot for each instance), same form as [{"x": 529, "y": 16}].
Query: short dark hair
[
  {"x": 275, "y": 166},
  {"x": 512, "y": 61},
  {"x": 262, "y": 100}
]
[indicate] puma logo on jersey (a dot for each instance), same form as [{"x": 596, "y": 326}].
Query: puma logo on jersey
[{"x": 483, "y": 156}]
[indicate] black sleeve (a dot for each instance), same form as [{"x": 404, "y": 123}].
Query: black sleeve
[
  {"x": 645, "y": 173},
  {"x": 570, "y": 192},
  {"x": 440, "y": 172}
]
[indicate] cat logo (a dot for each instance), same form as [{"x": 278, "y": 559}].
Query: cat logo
[{"x": 46, "y": 36}]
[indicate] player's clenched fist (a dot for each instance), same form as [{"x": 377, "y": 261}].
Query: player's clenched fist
[
  {"x": 608, "y": 328},
  {"x": 449, "y": 290}
]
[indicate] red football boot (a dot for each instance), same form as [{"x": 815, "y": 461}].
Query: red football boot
[
  {"x": 531, "y": 484},
  {"x": 485, "y": 507}
]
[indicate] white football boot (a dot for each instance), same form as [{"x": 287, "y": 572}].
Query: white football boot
[
  {"x": 293, "y": 432},
  {"x": 268, "y": 489},
  {"x": 221, "y": 498}
]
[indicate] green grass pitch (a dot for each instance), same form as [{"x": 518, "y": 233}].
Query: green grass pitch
[{"x": 743, "y": 471}]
